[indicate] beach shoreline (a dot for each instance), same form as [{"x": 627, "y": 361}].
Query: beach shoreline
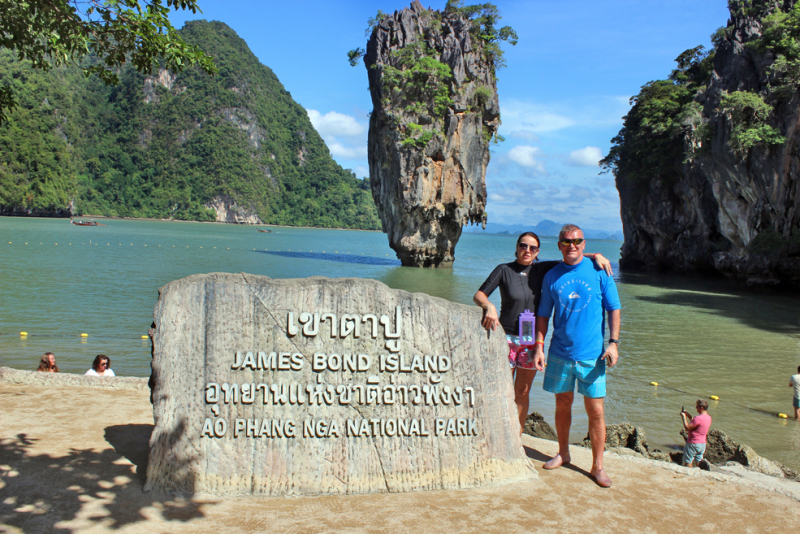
[
  {"x": 118, "y": 218},
  {"x": 74, "y": 458}
]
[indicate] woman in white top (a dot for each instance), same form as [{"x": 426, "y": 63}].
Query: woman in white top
[{"x": 101, "y": 367}]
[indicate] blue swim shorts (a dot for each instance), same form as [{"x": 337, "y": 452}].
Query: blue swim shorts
[
  {"x": 796, "y": 402},
  {"x": 560, "y": 376},
  {"x": 693, "y": 452}
]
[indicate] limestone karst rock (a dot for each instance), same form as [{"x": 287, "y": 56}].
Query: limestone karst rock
[
  {"x": 435, "y": 111},
  {"x": 315, "y": 386},
  {"x": 707, "y": 208}
]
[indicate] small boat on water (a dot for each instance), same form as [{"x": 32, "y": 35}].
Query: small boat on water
[
  {"x": 267, "y": 231},
  {"x": 85, "y": 223}
]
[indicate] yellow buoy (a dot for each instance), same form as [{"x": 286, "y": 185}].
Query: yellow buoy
[
  {"x": 23, "y": 334},
  {"x": 783, "y": 416},
  {"x": 714, "y": 397},
  {"x": 144, "y": 337},
  {"x": 653, "y": 383},
  {"x": 84, "y": 335}
]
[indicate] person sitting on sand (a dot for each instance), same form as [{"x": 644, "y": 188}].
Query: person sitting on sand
[
  {"x": 794, "y": 382},
  {"x": 697, "y": 430},
  {"x": 48, "y": 363},
  {"x": 101, "y": 367}
]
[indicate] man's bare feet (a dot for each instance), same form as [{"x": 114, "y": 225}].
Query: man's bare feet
[
  {"x": 556, "y": 462},
  {"x": 601, "y": 478}
]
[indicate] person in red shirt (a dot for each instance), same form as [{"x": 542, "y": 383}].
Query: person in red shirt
[{"x": 697, "y": 430}]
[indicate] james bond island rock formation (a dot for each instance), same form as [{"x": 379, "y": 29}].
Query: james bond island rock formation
[
  {"x": 322, "y": 386},
  {"x": 434, "y": 93},
  {"x": 707, "y": 162}
]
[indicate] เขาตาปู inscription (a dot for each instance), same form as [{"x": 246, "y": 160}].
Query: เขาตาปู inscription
[{"x": 319, "y": 386}]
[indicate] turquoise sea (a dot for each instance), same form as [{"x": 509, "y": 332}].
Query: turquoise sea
[{"x": 695, "y": 337}]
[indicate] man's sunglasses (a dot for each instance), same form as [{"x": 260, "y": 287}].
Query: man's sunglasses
[
  {"x": 568, "y": 242},
  {"x": 523, "y": 246}
]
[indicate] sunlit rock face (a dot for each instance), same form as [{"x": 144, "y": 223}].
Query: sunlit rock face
[
  {"x": 717, "y": 212},
  {"x": 429, "y": 131}
]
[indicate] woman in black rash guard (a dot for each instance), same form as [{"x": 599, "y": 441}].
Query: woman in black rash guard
[{"x": 520, "y": 284}]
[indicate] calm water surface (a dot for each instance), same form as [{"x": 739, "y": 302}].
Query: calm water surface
[{"x": 696, "y": 338}]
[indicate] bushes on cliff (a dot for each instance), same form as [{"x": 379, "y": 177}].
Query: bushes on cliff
[
  {"x": 650, "y": 144},
  {"x": 748, "y": 113}
]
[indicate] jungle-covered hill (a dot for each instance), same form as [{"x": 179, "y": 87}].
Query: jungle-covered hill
[{"x": 233, "y": 147}]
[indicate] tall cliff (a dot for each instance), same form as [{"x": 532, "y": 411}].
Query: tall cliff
[
  {"x": 434, "y": 95},
  {"x": 707, "y": 161},
  {"x": 234, "y": 147}
]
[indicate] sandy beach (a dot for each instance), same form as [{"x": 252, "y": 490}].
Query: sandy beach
[{"x": 73, "y": 459}]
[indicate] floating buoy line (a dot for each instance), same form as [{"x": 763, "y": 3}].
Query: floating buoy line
[
  {"x": 711, "y": 397},
  {"x": 90, "y": 243}
]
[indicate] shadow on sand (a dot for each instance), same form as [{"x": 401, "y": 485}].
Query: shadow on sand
[
  {"x": 44, "y": 493},
  {"x": 539, "y": 457}
]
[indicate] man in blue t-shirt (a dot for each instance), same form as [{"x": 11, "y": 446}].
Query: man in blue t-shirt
[{"x": 577, "y": 296}]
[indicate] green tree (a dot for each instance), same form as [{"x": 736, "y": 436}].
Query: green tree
[
  {"x": 650, "y": 143},
  {"x": 749, "y": 113},
  {"x": 53, "y": 33}
]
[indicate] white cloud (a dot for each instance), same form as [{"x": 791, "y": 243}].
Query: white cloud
[
  {"x": 345, "y": 136},
  {"x": 527, "y": 135},
  {"x": 522, "y": 118},
  {"x": 362, "y": 171},
  {"x": 532, "y": 118},
  {"x": 336, "y": 124},
  {"x": 347, "y": 152},
  {"x": 525, "y": 156},
  {"x": 585, "y": 157}
]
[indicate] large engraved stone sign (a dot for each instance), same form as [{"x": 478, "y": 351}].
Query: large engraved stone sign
[{"x": 323, "y": 386}]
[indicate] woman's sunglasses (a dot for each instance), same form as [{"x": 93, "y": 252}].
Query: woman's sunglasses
[
  {"x": 523, "y": 246},
  {"x": 568, "y": 242}
]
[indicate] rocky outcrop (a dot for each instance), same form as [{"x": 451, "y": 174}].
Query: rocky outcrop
[
  {"x": 435, "y": 110},
  {"x": 536, "y": 426},
  {"x": 625, "y": 438},
  {"x": 51, "y": 211},
  {"x": 719, "y": 212},
  {"x": 721, "y": 449},
  {"x": 229, "y": 211}
]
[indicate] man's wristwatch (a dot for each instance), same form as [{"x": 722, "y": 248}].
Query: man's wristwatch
[{"x": 614, "y": 341}]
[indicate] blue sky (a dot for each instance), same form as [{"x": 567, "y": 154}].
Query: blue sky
[{"x": 562, "y": 95}]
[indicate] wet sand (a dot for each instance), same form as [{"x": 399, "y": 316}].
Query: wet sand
[{"x": 72, "y": 459}]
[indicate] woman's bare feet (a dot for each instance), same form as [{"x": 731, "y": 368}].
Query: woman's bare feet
[
  {"x": 601, "y": 478},
  {"x": 556, "y": 461}
]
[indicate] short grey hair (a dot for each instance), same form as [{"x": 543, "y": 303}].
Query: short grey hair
[{"x": 567, "y": 228}]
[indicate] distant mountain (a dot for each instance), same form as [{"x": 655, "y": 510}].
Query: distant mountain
[
  {"x": 544, "y": 228},
  {"x": 234, "y": 147}
]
